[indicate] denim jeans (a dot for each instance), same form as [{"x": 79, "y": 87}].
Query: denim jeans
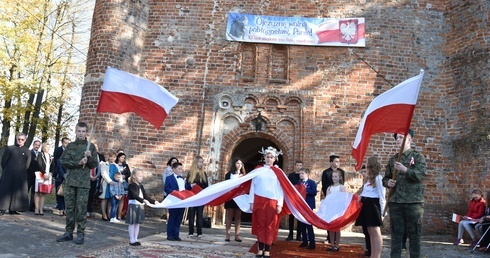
[{"x": 114, "y": 204}]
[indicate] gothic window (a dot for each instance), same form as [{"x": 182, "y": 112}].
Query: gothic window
[
  {"x": 279, "y": 63},
  {"x": 248, "y": 60}
]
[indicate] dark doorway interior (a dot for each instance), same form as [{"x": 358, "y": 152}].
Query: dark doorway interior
[{"x": 248, "y": 152}]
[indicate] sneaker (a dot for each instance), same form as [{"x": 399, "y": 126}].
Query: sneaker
[
  {"x": 473, "y": 243},
  {"x": 80, "y": 239},
  {"x": 190, "y": 236},
  {"x": 114, "y": 220},
  {"x": 199, "y": 236},
  {"x": 458, "y": 241},
  {"x": 65, "y": 237}
]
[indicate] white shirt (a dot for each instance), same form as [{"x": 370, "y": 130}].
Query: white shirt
[
  {"x": 180, "y": 182},
  {"x": 266, "y": 185},
  {"x": 375, "y": 192}
]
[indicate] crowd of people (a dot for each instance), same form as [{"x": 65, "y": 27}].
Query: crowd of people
[{"x": 77, "y": 173}]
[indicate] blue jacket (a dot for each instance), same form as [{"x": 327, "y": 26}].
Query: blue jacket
[
  {"x": 171, "y": 185},
  {"x": 118, "y": 190},
  {"x": 310, "y": 192}
]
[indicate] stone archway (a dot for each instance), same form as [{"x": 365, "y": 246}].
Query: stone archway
[
  {"x": 247, "y": 152},
  {"x": 246, "y": 147}
]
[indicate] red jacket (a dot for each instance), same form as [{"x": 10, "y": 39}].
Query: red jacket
[{"x": 477, "y": 209}]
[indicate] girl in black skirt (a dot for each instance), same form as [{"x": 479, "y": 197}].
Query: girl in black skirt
[
  {"x": 136, "y": 208},
  {"x": 231, "y": 207},
  {"x": 373, "y": 201}
]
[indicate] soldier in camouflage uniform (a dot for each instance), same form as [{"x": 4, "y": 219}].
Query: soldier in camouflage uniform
[
  {"x": 78, "y": 161},
  {"x": 405, "y": 204}
]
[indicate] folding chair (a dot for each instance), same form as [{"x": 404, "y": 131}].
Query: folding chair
[{"x": 482, "y": 237}]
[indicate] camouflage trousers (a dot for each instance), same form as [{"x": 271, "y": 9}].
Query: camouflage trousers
[
  {"x": 406, "y": 216},
  {"x": 76, "y": 199}
]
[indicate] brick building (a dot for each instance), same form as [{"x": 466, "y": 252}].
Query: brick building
[{"x": 311, "y": 99}]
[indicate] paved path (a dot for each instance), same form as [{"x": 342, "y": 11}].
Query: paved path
[{"x": 27, "y": 235}]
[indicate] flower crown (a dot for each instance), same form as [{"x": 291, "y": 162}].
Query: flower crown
[{"x": 271, "y": 150}]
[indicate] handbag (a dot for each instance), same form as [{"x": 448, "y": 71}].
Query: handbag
[
  {"x": 45, "y": 188},
  {"x": 60, "y": 191}
]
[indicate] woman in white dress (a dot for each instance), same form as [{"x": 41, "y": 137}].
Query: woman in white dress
[{"x": 266, "y": 200}]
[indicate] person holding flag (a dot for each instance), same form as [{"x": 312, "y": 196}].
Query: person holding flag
[
  {"x": 78, "y": 160},
  {"x": 406, "y": 200},
  {"x": 391, "y": 112}
]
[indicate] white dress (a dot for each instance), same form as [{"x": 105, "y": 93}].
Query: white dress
[{"x": 334, "y": 204}]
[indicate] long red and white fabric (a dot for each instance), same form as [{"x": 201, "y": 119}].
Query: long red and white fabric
[
  {"x": 339, "y": 216},
  {"x": 390, "y": 112},
  {"x": 124, "y": 92}
]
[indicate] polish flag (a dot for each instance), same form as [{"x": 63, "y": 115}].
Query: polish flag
[
  {"x": 343, "y": 208},
  {"x": 124, "y": 92},
  {"x": 390, "y": 112},
  {"x": 341, "y": 30}
]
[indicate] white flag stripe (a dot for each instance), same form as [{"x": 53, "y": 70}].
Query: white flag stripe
[
  {"x": 126, "y": 83},
  {"x": 243, "y": 203},
  {"x": 207, "y": 194},
  {"x": 333, "y": 24}
]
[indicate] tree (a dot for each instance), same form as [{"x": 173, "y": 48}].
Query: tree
[{"x": 42, "y": 57}]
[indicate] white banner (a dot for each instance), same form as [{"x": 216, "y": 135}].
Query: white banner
[{"x": 345, "y": 32}]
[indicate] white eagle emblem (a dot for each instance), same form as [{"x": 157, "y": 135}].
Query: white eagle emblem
[{"x": 348, "y": 31}]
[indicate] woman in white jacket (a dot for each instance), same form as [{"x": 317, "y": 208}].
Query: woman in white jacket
[{"x": 105, "y": 196}]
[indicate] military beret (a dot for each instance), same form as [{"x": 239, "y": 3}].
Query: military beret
[{"x": 410, "y": 131}]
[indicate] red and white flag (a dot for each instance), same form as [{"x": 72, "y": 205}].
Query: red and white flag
[
  {"x": 337, "y": 218},
  {"x": 341, "y": 31},
  {"x": 390, "y": 112},
  {"x": 124, "y": 92}
]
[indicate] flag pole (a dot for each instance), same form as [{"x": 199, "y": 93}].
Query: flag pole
[
  {"x": 390, "y": 192},
  {"x": 91, "y": 134}
]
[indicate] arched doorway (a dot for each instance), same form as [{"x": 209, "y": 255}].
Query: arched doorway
[{"x": 248, "y": 152}]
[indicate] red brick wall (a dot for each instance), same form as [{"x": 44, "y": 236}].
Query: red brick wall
[{"x": 313, "y": 113}]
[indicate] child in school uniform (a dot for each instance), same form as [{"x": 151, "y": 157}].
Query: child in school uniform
[
  {"x": 307, "y": 233},
  {"x": 175, "y": 182},
  {"x": 117, "y": 190},
  {"x": 137, "y": 199}
]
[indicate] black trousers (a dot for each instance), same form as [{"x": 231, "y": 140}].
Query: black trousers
[
  {"x": 195, "y": 212},
  {"x": 291, "y": 227},
  {"x": 91, "y": 193}
]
